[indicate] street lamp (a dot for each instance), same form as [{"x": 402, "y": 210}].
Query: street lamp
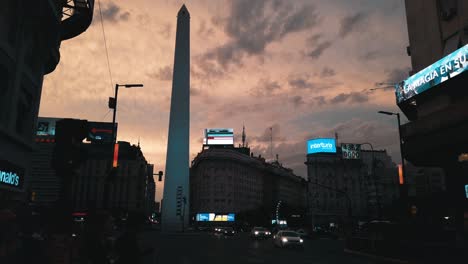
[
  {"x": 401, "y": 148},
  {"x": 113, "y": 105},
  {"x": 374, "y": 178}
]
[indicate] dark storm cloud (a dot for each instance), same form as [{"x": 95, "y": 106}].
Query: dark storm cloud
[
  {"x": 253, "y": 25},
  {"x": 327, "y": 72},
  {"x": 297, "y": 101},
  {"x": 353, "y": 97},
  {"x": 113, "y": 13},
  {"x": 350, "y": 23},
  {"x": 298, "y": 82},
  {"x": 163, "y": 74},
  {"x": 319, "y": 49}
]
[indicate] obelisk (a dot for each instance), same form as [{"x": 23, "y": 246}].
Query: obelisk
[{"x": 175, "y": 207}]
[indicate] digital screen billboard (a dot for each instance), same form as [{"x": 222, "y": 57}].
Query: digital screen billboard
[
  {"x": 439, "y": 72},
  {"x": 321, "y": 145},
  {"x": 100, "y": 132},
  {"x": 46, "y": 126},
  {"x": 351, "y": 151},
  {"x": 219, "y": 136},
  {"x": 212, "y": 217}
]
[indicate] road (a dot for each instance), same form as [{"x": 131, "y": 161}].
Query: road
[{"x": 206, "y": 248}]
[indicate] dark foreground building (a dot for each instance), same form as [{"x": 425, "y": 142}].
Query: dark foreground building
[
  {"x": 435, "y": 135},
  {"x": 31, "y": 33}
]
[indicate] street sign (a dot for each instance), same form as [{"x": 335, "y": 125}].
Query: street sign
[{"x": 351, "y": 151}]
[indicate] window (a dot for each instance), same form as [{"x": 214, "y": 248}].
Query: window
[{"x": 448, "y": 9}]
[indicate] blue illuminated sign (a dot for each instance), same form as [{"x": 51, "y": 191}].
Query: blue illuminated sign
[
  {"x": 466, "y": 191},
  {"x": 231, "y": 217},
  {"x": 212, "y": 217},
  {"x": 442, "y": 70},
  {"x": 321, "y": 145},
  {"x": 203, "y": 217},
  {"x": 10, "y": 174}
]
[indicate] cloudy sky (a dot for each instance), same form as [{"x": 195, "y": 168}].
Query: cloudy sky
[{"x": 303, "y": 67}]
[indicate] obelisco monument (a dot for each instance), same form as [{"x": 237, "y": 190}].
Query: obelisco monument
[{"x": 175, "y": 206}]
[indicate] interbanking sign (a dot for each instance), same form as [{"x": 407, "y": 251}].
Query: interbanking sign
[
  {"x": 321, "y": 145},
  {"x": 10, "y": 175},
  {"x": 437, "y": 73}
]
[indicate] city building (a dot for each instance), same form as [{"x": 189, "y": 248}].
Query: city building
[
  {"x": 226, "y": 180},
  {"x": 382, "y": 182},
  {"x": 150, "y": 193},
  {"x": 30, "y": 37},
  {"x": 435, "y": 135},
  {"x": 424, "y": 181},
  {"x": 132, "y": 188},
  {"x": 341, "y": 189}
]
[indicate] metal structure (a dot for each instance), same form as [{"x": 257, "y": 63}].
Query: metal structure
[{"x": 76, "y": 17}]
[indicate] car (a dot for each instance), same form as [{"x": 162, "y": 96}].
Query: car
[
  {"x": 228, "y": 231},
  {"x": 302, "y": 233},
  {"x": 288, "y": 239},
  {"x": 259, "y": 233}
]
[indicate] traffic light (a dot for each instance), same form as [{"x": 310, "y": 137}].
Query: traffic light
[{"x": 160, "y": 174}]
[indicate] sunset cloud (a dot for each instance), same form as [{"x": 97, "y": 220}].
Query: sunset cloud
[{"x": 302, "y": 67}]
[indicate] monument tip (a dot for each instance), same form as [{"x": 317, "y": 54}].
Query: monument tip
[{"x": 183, "y": 11}]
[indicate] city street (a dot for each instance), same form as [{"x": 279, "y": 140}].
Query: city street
[{"x": 209, "y": 248}]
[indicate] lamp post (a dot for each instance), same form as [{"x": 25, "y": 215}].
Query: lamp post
[
  {"x": 374, "y": 178},
  {"x": 113, "y": 105},
  {"x": 403, "y": 191}
]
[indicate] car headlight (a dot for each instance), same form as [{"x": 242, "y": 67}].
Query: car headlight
[
  {"x": 256, "y": 232},
  {"x": 300, "y": 240},
  {"x": 268, "y": 233},
  {"x": 284, "y": 239}
]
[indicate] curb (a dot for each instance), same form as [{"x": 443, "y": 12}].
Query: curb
[{"x": 377, "y": 257}]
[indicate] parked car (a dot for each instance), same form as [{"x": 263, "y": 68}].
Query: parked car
[
  {"x": 259, "y": 233},
  {"x": 228, "y": 231},
  {"x": 302, "y": 233},
  {"x": 288, "y": 239}
]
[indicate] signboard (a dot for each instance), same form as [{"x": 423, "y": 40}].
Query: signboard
[
  {"x": 100, "y": 132},
  {"x": 46, "y": 126},
  {"x": 212, "y": 217},
  {"x": 11, "y": 175},
  {"x": 351, "y": 151},
  {"x": 321, "y": 145},
  {"x": 437, "y": 73},
  {"x": 466, "y": 191},
  {"x": 219, "y": 136}
]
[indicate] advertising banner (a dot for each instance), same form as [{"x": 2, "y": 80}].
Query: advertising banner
[
  {"x": 100, "y": 132},
  {"x": 212, "y": 217},
  {"x": 219, "y": 136},
  {"x": 351, "y": 151},
  {"x": 321, "y": 145},
  {"x": 46, "y": 126},
  {"x": 439, "y": 72},
  {"x": 11, "y": 175}
]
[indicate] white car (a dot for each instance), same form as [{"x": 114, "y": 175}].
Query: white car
[{"x": 288, "y": 239}]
